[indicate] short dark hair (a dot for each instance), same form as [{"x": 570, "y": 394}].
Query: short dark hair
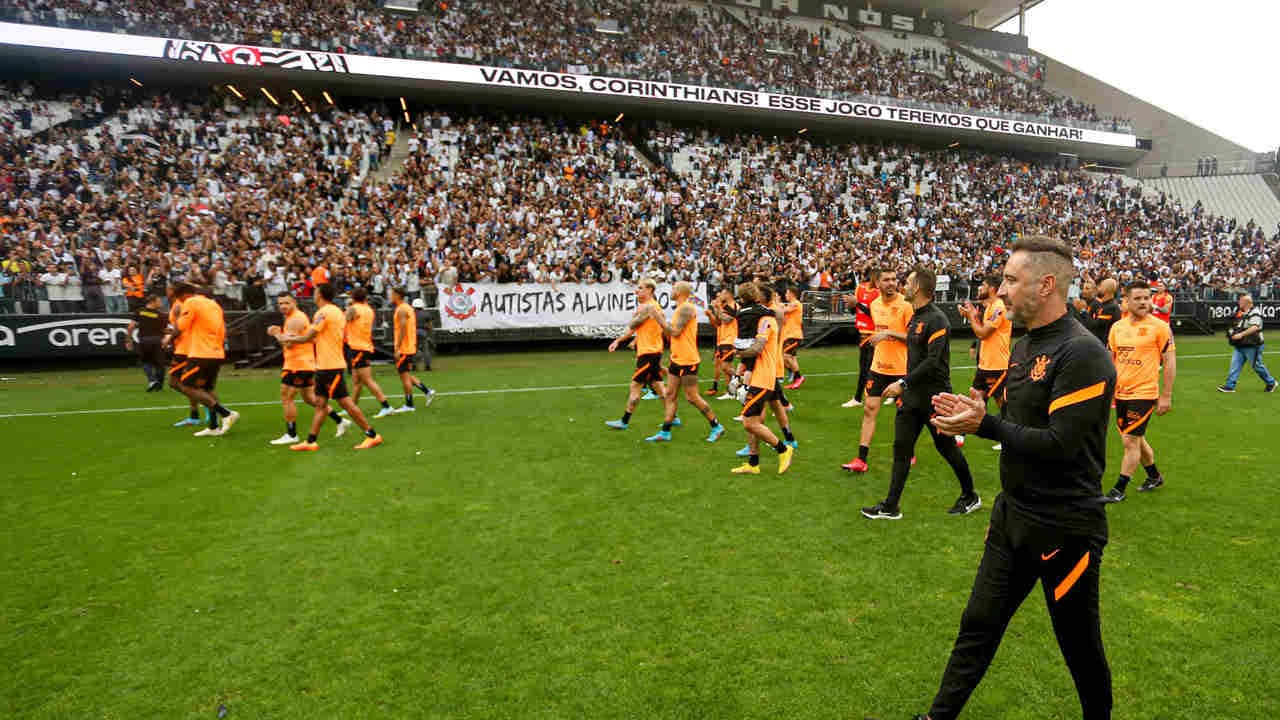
[
  {"x": 326, "y": 291},
  {"x": 1042, "y": 244},
  {"x": 873, "y": 273},
  {"x": 993, "y": 280},
  {"x": 400, "y": 292},
  {"x": 766, "y": 292},
  {"x": 359, "y": 294},
  {"x": 1137, "y": 285},
  {"x": 183, "y": 288},
  {"x": 926, "y": 280},
  {"x": 285, "y": 294},
  {"x": 1049, "y": 256}
]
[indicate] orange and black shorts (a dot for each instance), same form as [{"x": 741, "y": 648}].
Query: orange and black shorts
[
  {"x": 791, "y": 346},
  {"x": 177, "y": 364},
  {"x": 877, "y": 382},
  {"x": 404, "y": 363},
  {"x": 356, "y": 358},
  {"x": 990, "y": 382},
  {"x": 648, "y": 369},
  {"x": 1132, "y": 416},
  {"x": 330, "y": 385},
  {"x": 298, "y": 378},
  {"x": 200, "y": 373},
  {"x": 724, "y": 353},
  {"x": 757, "y": 400},
  {"x": 678, "y": 370}
]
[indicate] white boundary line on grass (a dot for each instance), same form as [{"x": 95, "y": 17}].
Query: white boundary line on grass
[{"x": 454, "y": 393}]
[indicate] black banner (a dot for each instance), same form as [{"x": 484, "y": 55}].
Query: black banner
[
  {"x": 1222, "y": 313},
  {"x": 53, "y": 336},
  {"x": 888, "y": 18}
]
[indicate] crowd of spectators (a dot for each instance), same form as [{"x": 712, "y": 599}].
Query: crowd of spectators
[
  {"x": 697, "y": 44},
  {"x": 253, "y": 200}
]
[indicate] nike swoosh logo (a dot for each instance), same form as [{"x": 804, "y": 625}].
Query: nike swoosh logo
[{"x": 1049, "y": 556}]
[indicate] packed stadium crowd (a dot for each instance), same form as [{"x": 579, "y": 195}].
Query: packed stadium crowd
[
  {"x": 251, "y": 199},
  {"x": 697, "y": 44}
]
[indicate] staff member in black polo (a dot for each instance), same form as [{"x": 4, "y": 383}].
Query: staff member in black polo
[
  {"x": 1049, "y": 523},
  {"x": 149, "y": 323},
  {"x": 928, "y": 373}
]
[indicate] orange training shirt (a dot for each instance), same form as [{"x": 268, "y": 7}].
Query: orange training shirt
[
  {"x": 684, "y": 347},
  {"x": 405, "y": 316},
  {"x": 1138, "y": 347},
  {"x": 770, "y": 355},
  {"x": 727, "y": 332},
  {"x": 891, "y": 316},
  {"x": 202, "y": 319},
  {"x": 328, "y": 340},
  {"x": 182, "y": 345},
  {"x": 300, "y": 357},
  {"x": 360, "y": 328},
  {"x": 649, "y": 334},
  {"x": 993, "y": 353},
  {"x": 793, "y": 323}
]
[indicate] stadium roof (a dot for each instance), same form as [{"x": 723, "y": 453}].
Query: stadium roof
[{"x": 987, "y": 13}]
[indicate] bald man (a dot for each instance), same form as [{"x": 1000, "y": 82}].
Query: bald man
[{"x": 1103, "y": 313}]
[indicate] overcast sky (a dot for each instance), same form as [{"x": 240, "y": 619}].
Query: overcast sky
[{"x": 1215, "y": 63}]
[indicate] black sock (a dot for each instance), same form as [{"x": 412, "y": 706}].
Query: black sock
[
  {"x": 781, "y": 447},
  {"x": 797, "y": 376},
  {"x": 311, "y": 438},
  {"x": 408, "y": 399},
  {"x": 370, "y": 432},
  {"x": 1122, "y": 483},
  {"x": 715, "y": 386},
  {"x": 714, "y": 421},
  {"x": 753, "y": 460},
  {"x": 334, "y": 416},
  {"x": 626, "y": 418},
  {"x": 1152, "y": 472},
  {"x": 666, "y": 427},
  {"x": 213, "y": 421},
  {"x": 291, "y": 429},
  {"x": 863, "y": 452},
  {"x": 422, "y": 388},
  {"x": 195, "y": 413},
  {"x": 782, "y": 398},
  {"x": 386, "y": 404},
  {"x": 222, "y": 412},
  {"x": 786, "y": 434}
]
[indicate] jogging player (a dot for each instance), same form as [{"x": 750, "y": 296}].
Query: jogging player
[
  {"x": 178, "y": 363},
  {"x": 891, "y": 313},
  {"x": 766, "y": 351},
  {"x": 792, "y": 335},
  {"x": 202, "y": 322},
  {"x": 359, "y": 350},
  {"x": 1048, "y": 524},
  {"x": 682, "y": 375},
  {"x": 995, "y": 336},
  {"x": 722, "y": 316},
  {"x": 860, "y": 300},
  {"x": 404, "y": 323},
  {"x": 1140, "y": 344},
  {"x": 149, "y": 324},
  {"x": 326, "y": 332},
  {"x": 646, "y": 328}
]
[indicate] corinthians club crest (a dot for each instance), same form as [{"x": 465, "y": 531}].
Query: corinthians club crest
[{"x": 459, "y": 305}]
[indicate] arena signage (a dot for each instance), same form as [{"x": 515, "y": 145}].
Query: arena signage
[
  {"x": 1226, "y": 311},
  {"x": 43, "y": 336},
  {"x": 487, "y": 306},
  {"x": 223, "y": 53}
]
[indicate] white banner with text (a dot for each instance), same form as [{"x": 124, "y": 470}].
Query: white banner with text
[{"x": 491, "y": 306}]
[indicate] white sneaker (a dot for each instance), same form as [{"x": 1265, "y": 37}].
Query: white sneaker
[
  {"x": 737, "y": 418},
  {"x": 285, "y": 439},
  {"x": 727, "y": 396},
  {"x": 210, "y": 432},
  {"x": 431, "y": 396},
  {"x": 385, "y": 412},
  {"x": 997, "y": 447},
  {"x": 405, "y": 409},
  {"x": 343, "y": 427},
  {"x": 959, "y": 441},
  {"x": 853, "y": 403},
  {"x": 228, "y": 421}
]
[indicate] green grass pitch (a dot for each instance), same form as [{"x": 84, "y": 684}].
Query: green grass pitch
[{"x": 504, "y": 555}]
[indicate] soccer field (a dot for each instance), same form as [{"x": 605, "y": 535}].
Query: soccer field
[{"x": 504, "y": 555}]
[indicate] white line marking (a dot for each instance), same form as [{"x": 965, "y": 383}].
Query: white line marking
[{"x": 453, "y": 393}]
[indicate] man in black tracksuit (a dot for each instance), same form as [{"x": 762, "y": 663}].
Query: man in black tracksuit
[
  {"x": 1049, "y": 522},
  {"x": 928, "y": 373},
  {"x": 1103, "y": 312}
]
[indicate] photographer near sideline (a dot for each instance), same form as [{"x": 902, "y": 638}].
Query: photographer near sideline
[{"x": 1245, "y": 337}]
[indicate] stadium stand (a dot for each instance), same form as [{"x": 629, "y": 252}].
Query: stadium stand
[{"x": 683, "y": 42}]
